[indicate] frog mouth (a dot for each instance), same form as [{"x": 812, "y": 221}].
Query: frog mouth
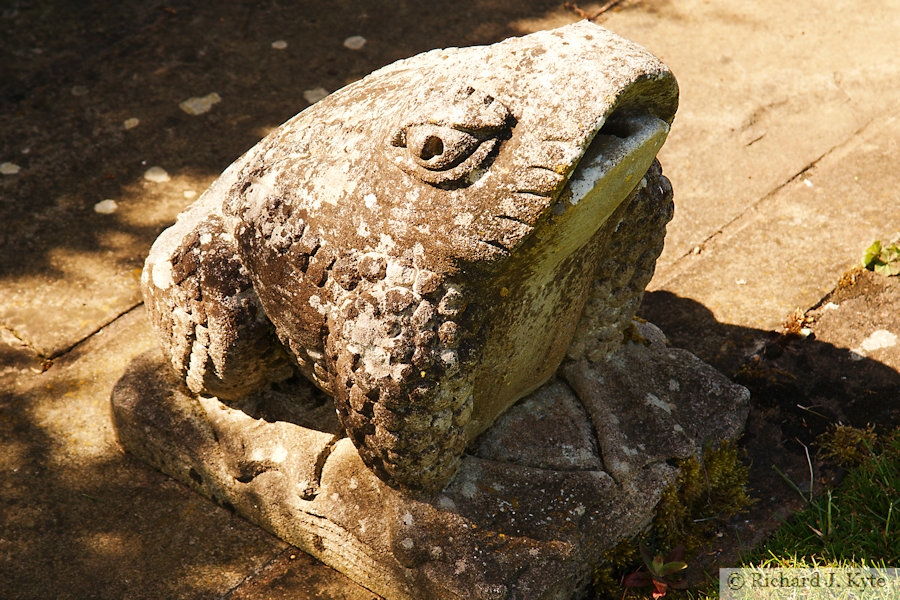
[
  {"x": 611, "y": 168},
  {"x": 623, "y": 147}
]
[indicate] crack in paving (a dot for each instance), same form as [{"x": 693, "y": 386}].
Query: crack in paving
[
  {"x": 278, "y": 556},
  {"x": 699, "y": 248},
  {"x": 66, "y": 350},
  {"x": 828, "y": 295},
  {"x": 19, "y": 338}
]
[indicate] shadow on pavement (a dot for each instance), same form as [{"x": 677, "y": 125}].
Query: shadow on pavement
[{"x": 811, "y": 383}]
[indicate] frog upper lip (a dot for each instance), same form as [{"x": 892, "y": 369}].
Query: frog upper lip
[
  {"x": 616, "y": 140},
  {"x": 606, "y": 174}
]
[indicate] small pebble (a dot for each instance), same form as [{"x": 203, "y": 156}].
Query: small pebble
[
  {"x": 314, "y": 95},
  {"x": 156, "y": 175},
  {"x": 879, "y": 339},
  {"x": 200, "y": 104},
  {"x": 279, "y": 45},
  {"x": 131, "y": 123},
  {"x": 106, "y": 207},
  {"x": 79, "y": 90},
  {"x": 190, "y": 194},
  {"x": 355, "y": 42},
  {"x": 9, "y": 168}
]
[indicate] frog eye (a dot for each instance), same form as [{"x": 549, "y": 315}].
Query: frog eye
[
  {"x": 453, "y": 141},
  {"x": 437, "y": 147}
]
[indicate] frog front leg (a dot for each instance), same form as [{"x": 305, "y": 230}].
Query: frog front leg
[{"x": 202, "y": 304}]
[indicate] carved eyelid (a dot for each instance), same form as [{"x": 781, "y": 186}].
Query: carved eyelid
[
  {"x": 478, "y": 113},
  {"x": 475, "y": 121}
]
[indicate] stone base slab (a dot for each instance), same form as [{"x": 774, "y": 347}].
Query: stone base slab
[{"x": 564, "y": 475}]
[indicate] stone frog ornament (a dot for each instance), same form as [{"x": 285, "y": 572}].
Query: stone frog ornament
[{"x": 428, "y": 244}]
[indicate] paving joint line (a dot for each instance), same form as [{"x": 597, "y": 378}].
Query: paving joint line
[
  {"x": 21, "y": 340},
  {"x": 259, "y": 570},
  {"x": 13, "y": 332},
  {"x": 64, "y": 351},
  {"x": 698, "y": 249},
  {"x": 830, "y": 293}
]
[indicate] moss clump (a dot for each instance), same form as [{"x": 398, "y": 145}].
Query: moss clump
[
  {"x": 705, "y": 492},
  {"x": 631, "y": 334},
  {"x": 849, "y": 279},
  {"x": 617, "y": 562},
  {"x": 847, "y": 446},
  {"x": 796, "y": 322}
]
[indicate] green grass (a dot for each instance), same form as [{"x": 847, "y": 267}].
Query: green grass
[
  {"x": 859, "y": 523},
  {"x": 855, "y": 525}
]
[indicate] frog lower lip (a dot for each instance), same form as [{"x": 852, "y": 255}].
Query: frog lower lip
[
  {"x": 620, "y": 149},
  {"x": 609, "y": 170}
]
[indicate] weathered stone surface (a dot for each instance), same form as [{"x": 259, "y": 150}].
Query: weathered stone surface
[
  {"x": 541, "y": 494},
  {"x": 421, "y": 244},
  {"x": 567, "y": 443},
  {"x": 643, "y": 404}
]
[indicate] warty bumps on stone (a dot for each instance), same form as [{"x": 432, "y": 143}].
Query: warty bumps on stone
[{"x": 428, "y": 244}]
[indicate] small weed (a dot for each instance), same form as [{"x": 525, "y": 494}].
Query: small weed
[
  {"x": 882, "y": 260},
  {"x": 849, "y": 278},
  {"x": 662, "y": 573},
  {"x": 705, "y": 493},
  {"x": 796, "y": 323}
]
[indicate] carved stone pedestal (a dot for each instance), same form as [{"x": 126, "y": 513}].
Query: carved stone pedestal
[{"x": 562, "y": 476}]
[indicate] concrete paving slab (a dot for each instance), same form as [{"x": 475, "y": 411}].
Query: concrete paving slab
[
  {"x": 862, "y": 316},
  {"x": 790, "y": 249},
  {"x": 83, "y": 520},
  {"x": 767, "y": 88}
]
